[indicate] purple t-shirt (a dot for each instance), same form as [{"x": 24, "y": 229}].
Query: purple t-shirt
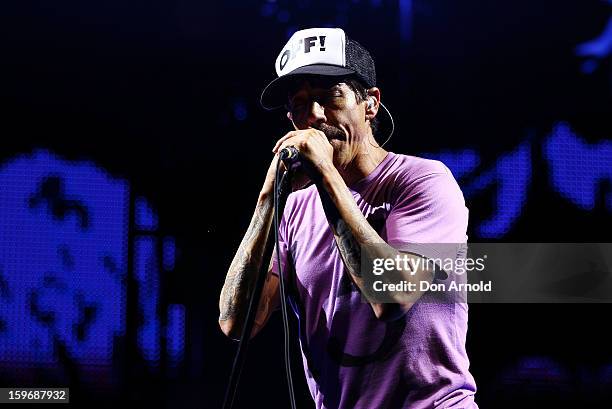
[{"x": 352, "y": 359}]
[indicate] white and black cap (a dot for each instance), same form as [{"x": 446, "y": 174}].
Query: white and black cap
[{"x": 323, "y": 52}]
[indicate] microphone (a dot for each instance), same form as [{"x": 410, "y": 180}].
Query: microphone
[{"x": 289, "y": 155}]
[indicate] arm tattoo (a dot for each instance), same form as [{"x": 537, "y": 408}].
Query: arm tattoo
[
  {"x": 245, "y": 265},
  {"x": 348, "y": 245},
  {"x": 350, "y": 250},
  {"x": 235, "y": 293},
  {"x": 349, "y": 240}
]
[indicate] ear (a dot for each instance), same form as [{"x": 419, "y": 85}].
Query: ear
[
  {"x": 290, "y": 118},
  {"x": 374, "y": 95}
]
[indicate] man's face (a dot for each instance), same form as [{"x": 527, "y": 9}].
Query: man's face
[{"x": 332, "y": 108}]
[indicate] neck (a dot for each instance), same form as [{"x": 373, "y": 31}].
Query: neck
[{"x": 365, "y": 161}]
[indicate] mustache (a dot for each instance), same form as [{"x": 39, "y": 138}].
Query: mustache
[{"x": 330, "y": 131}]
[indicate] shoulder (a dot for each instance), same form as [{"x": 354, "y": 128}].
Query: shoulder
[
  {"x": 415, "y": 174},
  {"x": 413, "y": 167},
  {"x": 428, "y": 204}
]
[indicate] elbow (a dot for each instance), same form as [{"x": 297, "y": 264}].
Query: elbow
[
  {"x": 230, "y": 329},
  {"x": 233, "y": 329},
  {"x": 390, "y": 312}
]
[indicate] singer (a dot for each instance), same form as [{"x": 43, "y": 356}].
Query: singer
[{"x": 356, "y": 354}]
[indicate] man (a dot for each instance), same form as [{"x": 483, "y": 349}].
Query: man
[{"x": 358, "y": 351}]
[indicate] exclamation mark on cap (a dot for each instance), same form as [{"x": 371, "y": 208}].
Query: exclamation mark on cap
[{"x": 322, "y": 42}]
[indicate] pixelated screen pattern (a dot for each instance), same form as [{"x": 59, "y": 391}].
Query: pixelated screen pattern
[
  {"x": 577, "y": 171},
  {"x": 63, "y": 266},
  {"x": 147, "y": 275}
]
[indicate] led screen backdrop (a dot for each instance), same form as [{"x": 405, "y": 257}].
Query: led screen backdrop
[{"x": 65, "y": 229}]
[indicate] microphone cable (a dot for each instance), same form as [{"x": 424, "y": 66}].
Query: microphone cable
[{"x": 283, "y": 299}]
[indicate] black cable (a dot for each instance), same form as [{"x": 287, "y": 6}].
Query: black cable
[{"x": 283, "y": 299}]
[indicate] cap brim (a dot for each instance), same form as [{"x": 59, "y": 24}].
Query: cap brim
[{"x": 275, "y": 94}]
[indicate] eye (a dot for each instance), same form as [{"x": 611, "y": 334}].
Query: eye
[{"x": 331, "y": 98}]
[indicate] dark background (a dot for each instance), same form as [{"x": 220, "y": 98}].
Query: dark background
[{"x": 165, "y": 95}]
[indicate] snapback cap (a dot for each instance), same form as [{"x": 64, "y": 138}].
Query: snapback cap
[{"x": 325, "y": 52}]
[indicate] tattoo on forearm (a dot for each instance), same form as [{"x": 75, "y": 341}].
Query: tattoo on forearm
[
  {"x": 245, "y": 265},
  {"x": 233, "y": 290},
  {"x": 350, "y": 249},
  {"x": 348, "y": 242}
]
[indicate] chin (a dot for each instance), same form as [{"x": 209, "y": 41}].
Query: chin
[{"x": 337, "y": 144}]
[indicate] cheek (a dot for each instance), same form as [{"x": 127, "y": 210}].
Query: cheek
[{"x": 354, "y": 124}]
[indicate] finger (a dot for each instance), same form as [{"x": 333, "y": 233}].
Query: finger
[
  {"x": 319, "y": 133},
  {"x": 281, "y": 140},
  {"x": 294, "y": 141},
  {"x": 281, "y": 164}
]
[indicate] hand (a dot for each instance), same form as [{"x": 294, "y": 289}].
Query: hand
[
  {"x": 299, "y": 178},
  {"x": 314, "y": 148}
]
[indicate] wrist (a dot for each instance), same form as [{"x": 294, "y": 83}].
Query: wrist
[
  {"x": 327, "y": 171},
  {"x": 330, "y": 177}
]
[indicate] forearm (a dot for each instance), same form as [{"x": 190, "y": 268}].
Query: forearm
[
  {"x": 247, "y": 262},
  {"x": 353, "y": 234}
]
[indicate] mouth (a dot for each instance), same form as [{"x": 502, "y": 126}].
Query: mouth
[{"x": 331, "y": 132}]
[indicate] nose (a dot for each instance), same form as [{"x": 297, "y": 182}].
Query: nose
[{"x": 316, "y": 114}]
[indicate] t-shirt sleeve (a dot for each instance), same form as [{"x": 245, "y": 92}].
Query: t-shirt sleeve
[{"x": 428, "y": 212}]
